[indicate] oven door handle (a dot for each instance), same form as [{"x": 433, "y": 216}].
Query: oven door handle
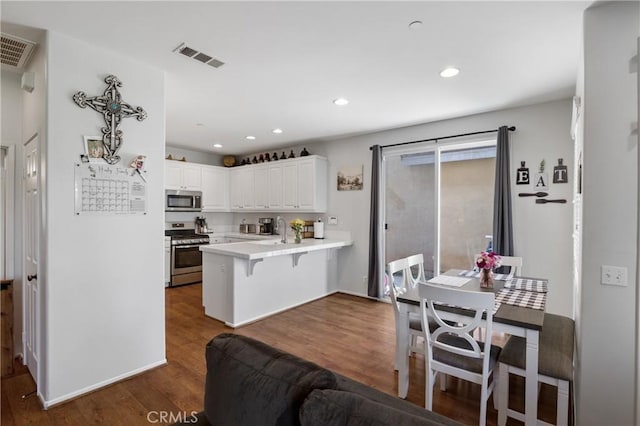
[{"x": 188, "y": 246}]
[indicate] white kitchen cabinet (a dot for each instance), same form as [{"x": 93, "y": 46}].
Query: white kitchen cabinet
[
  {"x": 290, "y": 185},
  {"x": 275, "y": 187},
  {"x": 261, "y": 187},
  {"x": 180, "y": 175},
  {"x": 305, "y": 185},
  {"x": 242, "y": 188},
  {"x": 215, "y": 188}
]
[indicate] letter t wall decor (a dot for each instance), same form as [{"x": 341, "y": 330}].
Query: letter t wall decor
[{"x": 113, "y": 109}]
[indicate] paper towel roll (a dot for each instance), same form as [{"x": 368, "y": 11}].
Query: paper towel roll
[{"x": 318, "y": 230}]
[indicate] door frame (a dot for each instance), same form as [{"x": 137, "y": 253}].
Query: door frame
[{"x": 437, "y": 148}]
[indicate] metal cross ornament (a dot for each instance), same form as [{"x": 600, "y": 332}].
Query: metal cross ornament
[{"x": 113, "y": 109}]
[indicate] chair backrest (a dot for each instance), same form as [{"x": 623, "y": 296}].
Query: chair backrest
[
  {"x": 397, "y": 276},
  {"x": 515, "y": 262},
  {"x": 456, "y": 337},
  {"x": 415, "y": 260}
]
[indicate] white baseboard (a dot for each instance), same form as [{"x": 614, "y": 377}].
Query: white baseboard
[
  {"x": 48, "y": 404},
  {"x": 353, "y": 293}
]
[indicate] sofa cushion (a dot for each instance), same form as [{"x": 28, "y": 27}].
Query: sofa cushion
[
  {"x": 348, "y": 385},
  {"x": 337, "y": 408},
  {"x": 251, "y": 383}
]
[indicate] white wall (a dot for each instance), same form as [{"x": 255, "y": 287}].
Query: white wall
[
  {"x": 606, "y": 372},
  {"x": 105, "y": 293},
  {"x": 194, "y": 156},
  {"x": 11, "y": 117},
  {"x": 542, "y": 233}
]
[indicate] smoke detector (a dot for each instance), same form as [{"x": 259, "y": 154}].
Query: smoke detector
[
  {"x": 15, "y": 51},
  {"x": 194, "y": 54}
]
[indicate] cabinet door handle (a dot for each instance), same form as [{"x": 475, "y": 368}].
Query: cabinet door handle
[{"x": 32, "y": 277}]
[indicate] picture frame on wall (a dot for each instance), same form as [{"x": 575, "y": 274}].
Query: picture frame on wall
[
  {"x": 94, "y": 148},
  {"x": 350, "y": 178}
]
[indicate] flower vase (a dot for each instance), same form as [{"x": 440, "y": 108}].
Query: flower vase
[
  {"x": 298, "y": 239},
  {"x": 486, "y": 278}
]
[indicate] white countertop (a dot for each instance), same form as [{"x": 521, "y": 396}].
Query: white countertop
[{"x": 271, "y": 247}]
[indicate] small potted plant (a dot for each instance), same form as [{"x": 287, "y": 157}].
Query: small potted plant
[
  {"x": 487, "y": 261},
  {"x": 297, "y": 225}
]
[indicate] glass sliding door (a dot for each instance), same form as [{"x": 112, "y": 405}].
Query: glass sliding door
[
  {"x": 466, "y": 203},
  {"x": 439, "y": 202},
  {"x": 410, "y": 200}
]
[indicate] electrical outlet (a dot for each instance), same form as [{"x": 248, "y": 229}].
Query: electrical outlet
[
  {"x": 365, "y": 279},
  {"x": 614, "y": 275},
  {"x": 333, "y": 220}
]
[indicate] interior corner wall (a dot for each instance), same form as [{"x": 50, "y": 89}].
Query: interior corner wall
[
  {"x": 104, "y": 307},
  {"x": 542, "y": 233},
  {"x": 606, "y": 374}
]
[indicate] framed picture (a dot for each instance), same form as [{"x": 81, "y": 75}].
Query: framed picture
[
  {"x": 350, "y": 178},
  {"x": 93, "y": 148}
]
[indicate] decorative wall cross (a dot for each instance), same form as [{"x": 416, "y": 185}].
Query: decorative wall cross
[{"x": 113, "y": 109}]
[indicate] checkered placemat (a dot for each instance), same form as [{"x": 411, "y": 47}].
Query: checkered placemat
[
  {"x": 524, "y": 299},
  {"x": 476, "y": 274},
  {"x": 528, "y": 284}
]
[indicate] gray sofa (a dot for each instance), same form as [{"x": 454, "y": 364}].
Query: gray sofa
[{"x": 251, "y": 383}]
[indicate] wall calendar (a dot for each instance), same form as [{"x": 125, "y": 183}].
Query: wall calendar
[{"x": 109, "y": 190}]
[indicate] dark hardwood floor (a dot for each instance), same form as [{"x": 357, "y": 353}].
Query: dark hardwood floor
[{"x": 350, "y": 335}]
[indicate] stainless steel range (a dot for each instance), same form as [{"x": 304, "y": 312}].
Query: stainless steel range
[{"x": 186, "y": 257}]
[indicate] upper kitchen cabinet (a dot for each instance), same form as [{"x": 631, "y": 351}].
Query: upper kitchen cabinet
[
  {"x": 305, "y": 185},
  {"x": 242, "y": 188},
  {"x": 180, "y": 175},
  {"x": 215, "y": 188}
]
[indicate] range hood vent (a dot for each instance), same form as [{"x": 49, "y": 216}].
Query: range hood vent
[
  {"x": 15, "y": 51},
  {"x": 196, "y": 55}
]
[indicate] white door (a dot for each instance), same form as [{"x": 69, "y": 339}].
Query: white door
[{"x": 31, "y": 298}]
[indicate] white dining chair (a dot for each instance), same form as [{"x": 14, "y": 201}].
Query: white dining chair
[
  {"x": 416, "y": 261},
  {"x": 555, "y": 366},
  {"x": 515, "y": 262},
  {"x": 397, "y": 273},
  {"x": 450, "y": 348}
]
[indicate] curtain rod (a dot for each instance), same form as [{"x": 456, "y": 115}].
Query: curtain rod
[{"x": 512, "y": 128}]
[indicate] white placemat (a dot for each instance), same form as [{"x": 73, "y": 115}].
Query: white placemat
[
  {"x": 449, "y": 280},
  {"x": 528, "y": 284}
]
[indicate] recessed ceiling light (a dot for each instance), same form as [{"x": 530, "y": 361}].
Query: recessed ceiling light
[
  {"x": 250, "y": 138},
  {"x": 449, "y": 72},
  {"x": 277, "y": 131},
  {"x": 199, "y": 124},
  {"x": 415, "y": 25},
  {"x": 340, "y": 101},
  {"x": 217, "y": 145}
]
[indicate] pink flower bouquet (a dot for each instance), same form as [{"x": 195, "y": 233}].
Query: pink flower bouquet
[{"x": 488, "y": 260}]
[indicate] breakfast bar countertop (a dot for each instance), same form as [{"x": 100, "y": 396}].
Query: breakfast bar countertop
[{"x": 261, "y": 249}]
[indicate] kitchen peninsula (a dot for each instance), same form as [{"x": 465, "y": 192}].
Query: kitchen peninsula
[{"x": 245, "y": 281}]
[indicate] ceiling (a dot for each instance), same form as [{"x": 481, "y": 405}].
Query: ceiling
[{"x": 285, "y": 62}]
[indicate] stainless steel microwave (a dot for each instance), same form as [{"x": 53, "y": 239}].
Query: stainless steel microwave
[{"x": 183, "y": 201}]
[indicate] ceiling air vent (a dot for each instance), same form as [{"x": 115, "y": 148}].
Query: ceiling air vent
[
  {"x": 15, "y": 51},
  {"x": 198, "y": 56}
]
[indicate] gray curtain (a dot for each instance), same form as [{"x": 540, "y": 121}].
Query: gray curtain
[
  {"x": 502, "y": 222},
  {"x": 376, "y": 263}
]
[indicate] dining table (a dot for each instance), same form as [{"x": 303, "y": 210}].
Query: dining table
[{"x": 520, "y": 312}]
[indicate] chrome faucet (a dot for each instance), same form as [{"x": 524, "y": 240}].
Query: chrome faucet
[{"x": 284, "y": 229}]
